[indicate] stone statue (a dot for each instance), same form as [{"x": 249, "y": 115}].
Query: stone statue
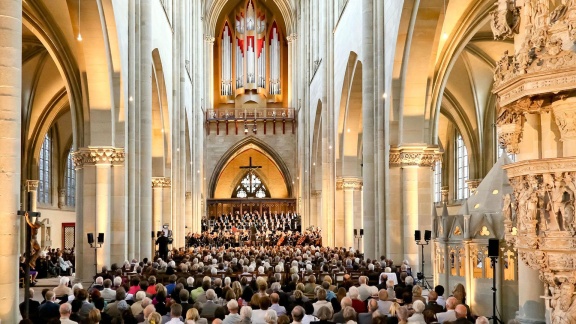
[
  {"x": 529, "y": 11},
  {"x": 556, "y": 204},
  {"x": 542, "y": 11},
  {"x": 507, "y": 207},
  {"x": 34, "y": 226},
  {"x": 563, "y": 304}
]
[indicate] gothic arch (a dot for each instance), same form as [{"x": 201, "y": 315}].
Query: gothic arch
[
  {"x": 161, "y": 156},
  {"x": 350, "y": 117},
  {"x": 214, "y": 11},
  {"x": 238, "y": 148}
]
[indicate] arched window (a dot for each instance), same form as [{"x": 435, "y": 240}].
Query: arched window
[
  {"x": 44, "y": 171},
  {"x": 438, "y": 182},
  {"x": 461, "y": 168},
  {"x": 251, "y": 186},
  {"x": 70, "y": 181}
]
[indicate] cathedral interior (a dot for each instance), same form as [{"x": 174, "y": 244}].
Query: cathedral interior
[{"x": 451, "y": 117}]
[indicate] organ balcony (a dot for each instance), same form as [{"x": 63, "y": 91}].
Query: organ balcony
[{"x": 237, "y": 121}]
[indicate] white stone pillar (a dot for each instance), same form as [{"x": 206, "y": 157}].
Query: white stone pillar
[
  {"x": 410, "y": 212},
  {"x": 167, "y": 203},
  {"x": 145, "y": 215},
  {"x": 188, "y": 213},
  {"x": 531, "y": 306},
  {"x": 157, "y": 203},
  {"x": 95, "y": 166},
  {"x": 10, "y": 157}
]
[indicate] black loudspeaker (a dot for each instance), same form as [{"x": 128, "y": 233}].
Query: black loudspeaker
[
  {"x": 90, "y": 238},
  {"x": 355, "y": 232},
  {"x": 493, "y": 248},
  {"x": 361, "y": 232},
  {"x": 100, "y": 238},
  {"x": 427, "y": 235},
  {"x": 417, "y": 235},
  {"x": 152, "y": 234}
]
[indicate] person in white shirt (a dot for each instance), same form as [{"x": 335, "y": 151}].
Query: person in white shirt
[
  {"x": 65, "y": 311},
  {"x": 364, "y": 289},
  {"x": 297, "y": 315},
  {"x": 440, "y": 300},
  {"x": 271, "y": 317},
  {"x": 322, "y": 302},
  {"x": 383, "y": 302},
  {"x": 449, "y": 314}
]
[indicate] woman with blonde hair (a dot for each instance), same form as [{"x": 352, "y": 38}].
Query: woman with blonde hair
[
  {"x": 154, "y": 318},
  {"x": 459, "y": 292},
  {"x": 417, "y": 294},
  {"x": 94, "y": 316},
  {"x": 192, "y": 316},
  {"x": 237, "y": 289}
]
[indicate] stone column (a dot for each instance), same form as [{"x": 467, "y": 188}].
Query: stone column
[
  {"x": 10, "y": 148},
  {"x": 166, "y": 203},
  {"x": 349, "y": 186},
  {"x": 95, "y": 164},
  {"x": 158, "y": 184},
  {"x": 415, "y": 162},
  {"x": 145, "y": 215},
  {"x": 188, "y": 213},
  {"x": 31, "y": 187}
]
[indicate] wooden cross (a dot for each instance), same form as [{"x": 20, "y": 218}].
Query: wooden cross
[
  {"x": 27, "y": 214},
  {"x": 250, "y": 168}
]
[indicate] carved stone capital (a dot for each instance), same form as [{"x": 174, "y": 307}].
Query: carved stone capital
[
  {"x": 317, "y": 193},
  {"x": 94, "y": 155},
  {"x": 444, "y": 190},
  {"x": 565, "y": 117},
  {"x": 473, "y": 185},
  {"x": 209, "y": 39},
  {"x": 161, "y": 182},
  {"x": 292, "y": 37},
  {"x": 344, "y": 183},
  {"x": 415, "y": 155},
  {"x": 31, "y": 185},
  {"x": 188, "y": 195}
]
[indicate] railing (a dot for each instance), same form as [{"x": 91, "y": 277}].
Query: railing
[{"x": 250, "y": 114}]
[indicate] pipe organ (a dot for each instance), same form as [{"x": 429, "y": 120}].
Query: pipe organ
[{"x": 250, "y": 53}]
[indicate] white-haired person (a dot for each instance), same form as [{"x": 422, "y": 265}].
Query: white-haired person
[
  {"x": 62, "y": 289},
  {"x": 418, "y": 307},
  {"x": 271, "y": 317},
  {"x": 245, "y": 315},
  {"x": 233, "y": 317},
  {"x": 137, "y": 307},
  {"x": 358, "y": 305}
]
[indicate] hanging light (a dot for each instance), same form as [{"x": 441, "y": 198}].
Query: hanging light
[{"x": 79, "y": 38}]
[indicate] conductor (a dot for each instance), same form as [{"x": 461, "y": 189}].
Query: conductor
[{"x": 162, "y": 243}]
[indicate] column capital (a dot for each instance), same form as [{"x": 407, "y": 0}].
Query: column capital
[
  {"x": 209, "y": 39},
  {"x": 349, "y": 183},
  {"x": 31, "y": 185},
  {"x": 98, "y": 155},
  {"x": 292, "y": 37},
  {"x": 188, "y": 195},
  {"x": 161, "y": 182},
  {"x": 316, "y": 193},
  {"x": 473, "y": 185},
  {"x": 415, "y": 155}
]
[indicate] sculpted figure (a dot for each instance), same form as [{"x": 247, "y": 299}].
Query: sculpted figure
[
  {"x": 563, "y": 304},
  {"x": 507, "y": 207},
  {"x": 34, "y": 226},
  {"x": 556, "y": 204}
]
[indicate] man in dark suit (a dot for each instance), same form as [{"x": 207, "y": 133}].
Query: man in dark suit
[
  {"x": 253, "y": 235},
  {"x": 32, "y": 308},
  {"x": 162, "y": 243},
  {"x": 432, "y": 304},
  {"x": 184, "y": 296},
  {"x": 366, "y": 318},
  {"x": 50, "y": 309}
]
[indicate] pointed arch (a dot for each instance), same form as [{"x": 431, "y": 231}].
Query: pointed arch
[{"x": 253, "y": 143}]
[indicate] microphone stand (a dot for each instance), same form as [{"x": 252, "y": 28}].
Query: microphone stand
[{"x": 494, "y": 317}]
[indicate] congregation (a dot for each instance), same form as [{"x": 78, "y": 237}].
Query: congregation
[{"x": 280, "y": 284}]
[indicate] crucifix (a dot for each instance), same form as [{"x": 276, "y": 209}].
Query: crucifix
[
  {"x": 31, "y": 242},
  {"x": 250, "y": 168}
]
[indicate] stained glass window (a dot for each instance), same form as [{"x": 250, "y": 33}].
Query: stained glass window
[
  {"x": 44, "y": 171},
  {"x": 70, "y": 181},
  {"x": 251, "y": 186},
  {"x": 461, "y": 168}
]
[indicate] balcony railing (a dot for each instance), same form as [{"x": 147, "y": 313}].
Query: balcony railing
[
  {"x": 250, "y": 121},
  {"x": 251, "y": 114}
]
